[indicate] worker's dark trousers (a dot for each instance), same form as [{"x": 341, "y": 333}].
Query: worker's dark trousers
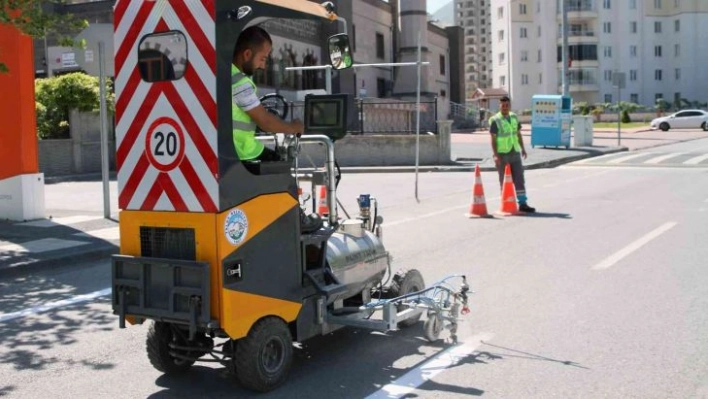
[{"x": 513, "y": 159}]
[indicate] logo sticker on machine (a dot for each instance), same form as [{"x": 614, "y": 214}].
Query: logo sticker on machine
[{"x": 236, "y": 226}]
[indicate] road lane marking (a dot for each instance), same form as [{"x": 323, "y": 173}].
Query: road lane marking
[
  {"x": 408, "y": 382},
  {"x": 619, "y": 255},
  {"x": 662, "y": 158},
  {"x": 53, "y": 305},
  {"x": 696, "y": 160},
  {"x": 628, "y": 157}
]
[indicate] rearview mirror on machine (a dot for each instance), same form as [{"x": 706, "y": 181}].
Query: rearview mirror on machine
[{"x": 340, "y": 54}]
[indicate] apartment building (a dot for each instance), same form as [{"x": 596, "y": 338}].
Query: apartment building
[
  {"x": 474, "y": 17},
  {"x": 655, "y": 44}
]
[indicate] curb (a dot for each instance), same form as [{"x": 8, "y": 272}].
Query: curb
[{"x": 67, "y": 259}]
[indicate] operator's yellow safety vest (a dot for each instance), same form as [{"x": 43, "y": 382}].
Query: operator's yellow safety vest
[
  {"x": 507, "y": 139},
  {"x": 244, "y": 129}
]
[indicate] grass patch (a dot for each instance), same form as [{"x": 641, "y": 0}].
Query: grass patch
[{"x": 631, "y": 125}]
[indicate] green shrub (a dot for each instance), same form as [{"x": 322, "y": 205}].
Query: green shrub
[
  {"x": 56, "y": 96},
  {"x": 625, "y": 117}
]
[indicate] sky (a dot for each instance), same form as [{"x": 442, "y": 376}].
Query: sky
[{"x": 434, "y": 5}]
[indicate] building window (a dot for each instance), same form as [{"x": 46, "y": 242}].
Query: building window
[
  {"x": 677, "y": 73},
  {"x": 657, "y": 74},
  {"x": 501, "y": 58},
  {"x": 632, "y": 4},
  {"x": 677, "y": 3},
  {"x": 539, "y": 31},
  {"x": 608, "y": 75},
  {"x": 606, "y": 4},
  {"x": 502, "y": 81},
  {"x": 633, "y": 75},
  {"x": 539, "y": 55},
  {"x": 657, "y": 51},
  {"x": 538, "y": 7},
  {"x": 443, "y": 93},
  {"x": 677, "y": 50},
  {"x": 633, "y": 27},
  {"x": 608, "y": 98},
  {"x": 500, "y": 13},
  {"x": 380, "y": 87},
  {"x": 657, "y": 26},
  {"x": 657, "y": 4},
  {"x": 353, "y": 37},
  {"x": 501, "y": 35},
  {"x": 524, "y": 79},
  {"x": 677, "y": 26},
  {"x": 607, "y": 27},
  {"x": 632, "y": 51},
  {"x": 608, "y": 52},
  {"x": 658, "y": 96},
  {"x": 524, "y": 55},
  {"x": 159, "y": 55},
  {"x": 522, "y": 33},
  {"x": 379, "y": 45},
  {"x": 634, "y": 98},
  {"x": 442, "y": 65},
  {"x": 677, "y": 97},
  {"x": 522, "y": 9}
]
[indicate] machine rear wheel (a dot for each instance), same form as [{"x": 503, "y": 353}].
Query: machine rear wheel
[
  {"x": 159, "y": 337},
  {"x": 264, "y": 356},
  {"x": 406, "y": 282}
]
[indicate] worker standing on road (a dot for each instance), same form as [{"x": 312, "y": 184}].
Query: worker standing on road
[
  {"x": 250, "y": 54},
  {"x": 508, "y": 148}
]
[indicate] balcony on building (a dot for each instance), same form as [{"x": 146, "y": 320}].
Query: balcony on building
[
  {"x": 580, "y": 80},
  {"x": 578, "y": 10},
  {"x": 578, "y": 36}
]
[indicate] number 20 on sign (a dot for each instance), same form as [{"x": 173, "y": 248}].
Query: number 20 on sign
[{"x": 164, "y": 144}]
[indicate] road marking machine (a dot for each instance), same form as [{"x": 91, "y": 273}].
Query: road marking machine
[{"x": 212, "y": 251}]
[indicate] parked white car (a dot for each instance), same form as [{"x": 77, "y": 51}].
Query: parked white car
[{"x": 685, "y": 119}]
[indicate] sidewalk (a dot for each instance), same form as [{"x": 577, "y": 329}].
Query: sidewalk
[{"x": 70, "y": 238}]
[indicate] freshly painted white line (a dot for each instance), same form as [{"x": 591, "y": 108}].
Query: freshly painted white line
[
  {"x": 59, "y": 221},
  {"x": 619, "y": 255},
  {"x": 662, "y": 158},
  {"x": 110, "y": 233},
  {"x": 53, "y": 305},
  {"x": 408, "y": 382},
  {"x": 628, "y": 157},
  {"x": 43, "y": 245},
  {"x": 696, "y": 160}
]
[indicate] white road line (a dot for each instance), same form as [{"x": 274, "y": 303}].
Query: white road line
[
  {"x": 619, "y": 255},
  {"x": 43, "y": 245},
  {"x": 53, "y": 305},
  {"x": 696, "y": 160},
  {"x": 110, "y": 233},
  {"x": 662, "y": 158},
  {"x": 628, "y": 157},
  {"x": 408, "y": 382},
  {"x": 59, "y": 221}
]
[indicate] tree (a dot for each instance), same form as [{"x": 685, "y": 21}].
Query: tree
[{"x": 32, "y": 18}]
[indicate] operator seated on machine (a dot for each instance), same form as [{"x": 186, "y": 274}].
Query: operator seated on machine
[{"x": 250, "y": 54}]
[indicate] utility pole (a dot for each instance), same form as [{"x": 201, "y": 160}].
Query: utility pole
[{"x": 564, "y": 50}]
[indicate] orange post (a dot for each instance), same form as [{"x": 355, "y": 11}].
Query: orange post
[
  {"x": 478, "y": 205},
  {"x": 18, "y": 134},
  {"x": 508, "y": 199}
]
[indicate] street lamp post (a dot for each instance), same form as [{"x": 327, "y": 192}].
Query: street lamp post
[{"x": 564, "y": 51}]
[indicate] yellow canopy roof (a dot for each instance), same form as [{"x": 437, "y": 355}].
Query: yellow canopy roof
[{"x": 303, "y": 6}]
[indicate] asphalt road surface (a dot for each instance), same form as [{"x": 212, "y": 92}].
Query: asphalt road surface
[{"x": 602, "y": 294}]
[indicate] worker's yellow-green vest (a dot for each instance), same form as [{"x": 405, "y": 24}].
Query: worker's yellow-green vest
[
  {"x": 244, "y": 133},
  {"x": 507, "y": 139}
]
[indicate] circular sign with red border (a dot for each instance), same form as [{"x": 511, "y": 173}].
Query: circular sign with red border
[{"x": 164, "y": 144}]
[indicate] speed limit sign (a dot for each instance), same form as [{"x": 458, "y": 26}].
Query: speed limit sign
[{"x": 164, "y": 144}]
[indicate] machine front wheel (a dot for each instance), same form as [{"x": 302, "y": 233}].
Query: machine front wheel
[
  {"x": 405, "y": 283},
  {"x": 159, "y": 337},
  {"x": 433, "y": 326},
  {"x": 264, "y": 356}
]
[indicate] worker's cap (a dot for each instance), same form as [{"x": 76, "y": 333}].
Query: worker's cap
[{"x": 504, "y": 99}]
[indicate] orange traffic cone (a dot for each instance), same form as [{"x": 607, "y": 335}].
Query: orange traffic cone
[
  {"x": 508, "y": 198},
  {"x": 321, "y": 201},
  {"x": 478, "y": 205}
]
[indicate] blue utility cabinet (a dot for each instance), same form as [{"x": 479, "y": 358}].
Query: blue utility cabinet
[{"x": 551, "y": 117}]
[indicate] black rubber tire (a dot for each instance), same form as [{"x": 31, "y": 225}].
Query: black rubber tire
[
  {"x": 704, "y": 126},
  {"x": 158, "y": 338},
  {"x": 432, "y": 327},
  {"x": 405, "y": 282},
  {"x": 264, "y": 356},
  {"x": 664, "y": 126}
]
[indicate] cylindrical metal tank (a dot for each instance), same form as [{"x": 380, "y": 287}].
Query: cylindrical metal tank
[{"x": 357, "y": 260}]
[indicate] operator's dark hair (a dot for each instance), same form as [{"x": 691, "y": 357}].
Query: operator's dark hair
[{"x": 251, "y": 38}]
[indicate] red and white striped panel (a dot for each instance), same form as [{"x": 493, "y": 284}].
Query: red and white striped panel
[{"x": 186, "y": 107}]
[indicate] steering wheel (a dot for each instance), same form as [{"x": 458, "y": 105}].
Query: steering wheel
[{"x": 276, "y": 105}]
